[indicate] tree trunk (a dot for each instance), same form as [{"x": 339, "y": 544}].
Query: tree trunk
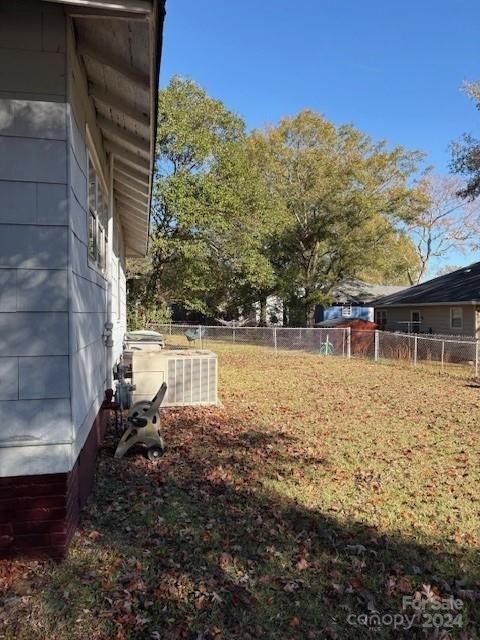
[
  {"x": 310, "y": 314},
  {"x": 263, "y": 313},
  {"x": 285, "y": 314}
]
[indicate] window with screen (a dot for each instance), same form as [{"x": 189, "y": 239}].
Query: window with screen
[
  {"x": 98, "y": 218},
  {"x": 456, "y": 318},
  {"x": 381, "y": 317},
  {"x": 415, "y": 321}
]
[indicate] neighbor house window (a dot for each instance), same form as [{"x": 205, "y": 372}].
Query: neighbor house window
[
  {"x": 416, "y": 321},
  {"x": 381, "y": 316},
  {"x": 347, "y": 311},
  {"x": 98, "y": 218},
  {"x": 456, "y": 318}
]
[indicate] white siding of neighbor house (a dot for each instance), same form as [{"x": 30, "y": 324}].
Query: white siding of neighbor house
[
  {"x": 53, "y": 305},
  {"x": 435, "y": 319}
]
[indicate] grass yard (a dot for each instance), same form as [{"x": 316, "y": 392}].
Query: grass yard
[{"x": 321, "y": 490}]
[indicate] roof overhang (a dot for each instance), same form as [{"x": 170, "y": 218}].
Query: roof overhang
[
  {"x": 118, "y": 45},
  {"x": 413, "y": 304}
]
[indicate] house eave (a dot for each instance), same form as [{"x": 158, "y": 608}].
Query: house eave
[
  {"x": 118, "y": 46},
  {"x": 456, "y": 303}
]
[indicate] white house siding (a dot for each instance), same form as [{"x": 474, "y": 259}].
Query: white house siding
[
  {"x": 435, "y": 319},
  {"x": 53, "y": 305},
  {"x": 34, "y": 327},
  {"x": 89, "y": 287}
]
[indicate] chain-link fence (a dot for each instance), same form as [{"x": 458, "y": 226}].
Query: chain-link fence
[
  {"x": 324, "y": 341},
  {"x": 444, "y": 352}
]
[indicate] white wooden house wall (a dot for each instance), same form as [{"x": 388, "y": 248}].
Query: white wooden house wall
[{"x": 53, "y": 305}]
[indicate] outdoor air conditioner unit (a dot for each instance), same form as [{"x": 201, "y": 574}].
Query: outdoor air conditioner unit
[{"x": 190, "y": 374}]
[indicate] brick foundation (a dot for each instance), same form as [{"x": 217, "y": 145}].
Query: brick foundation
[{"x": 39, "y": 514}]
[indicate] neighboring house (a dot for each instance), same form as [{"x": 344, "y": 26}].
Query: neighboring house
[
  {"x": 449, "y": 305},
  {"x": 78, "y": 98},
  {"x": 353, "y": 298}
]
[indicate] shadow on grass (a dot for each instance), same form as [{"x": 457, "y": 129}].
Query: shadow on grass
[{"x": 198, "y": 547}]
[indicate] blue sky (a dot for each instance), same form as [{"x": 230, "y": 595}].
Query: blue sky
[{"x": 393, "y": 68}]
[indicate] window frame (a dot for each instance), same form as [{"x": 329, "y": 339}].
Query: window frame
[
  {"x": 415, "y": 324},
  {"x": 98, "y": 208},
  {"x": 92, "y": 235},
  {"x": 460, "y": 317},
  {"x": 381, "y": 318}
]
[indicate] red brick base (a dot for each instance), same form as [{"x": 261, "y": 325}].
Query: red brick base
[{"x": 39, "y": 514}]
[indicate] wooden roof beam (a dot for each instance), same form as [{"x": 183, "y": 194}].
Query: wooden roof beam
[
  {"x": 127, "y": 171},
  {"x": 125, "y": 201},
  {"x": 135, "y": 76},
  {"x": 142, "y": 7},
  {"x": 132, "y": 185},
  {"x": 117, "y": 103},
  {"x": 105, "y": 14},
  {"x": 123, "y": 191},
  {"x": 128, "y": 158},
  {"x": 122, "y": 136}
]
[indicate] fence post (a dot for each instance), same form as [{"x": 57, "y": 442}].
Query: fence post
[
  {"x": 443, "y": 353},
  {"x": 170, "y": 328},
  {"x": 275, "y": 340},
  {"x": 415, "y": 350},
  {"x": 377, "y": 344},
  {"x": 349, "y": 342},
  {"x": 476, "y": 359},
  {"x": 234, "y": 335}
]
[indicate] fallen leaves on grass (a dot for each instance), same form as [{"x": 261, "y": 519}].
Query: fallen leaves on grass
[{"x": 320, "y": 488}]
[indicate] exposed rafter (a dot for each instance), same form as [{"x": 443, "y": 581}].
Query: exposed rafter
[
  {"x": 124, "y": 199},
  {"x": 102, "y": 57},
  {"x": 132, "y": 185},
  {"x": 131, "y": 214},
  {"x": 140, "y": 164},
  {"x": 118, "y": 104},
  {"x": 133, "y": 222},
  {"x": 121, "y": 136},
  {"x": 141, "y": 7},
  {"x": 132, "y": 229},
  {"x": 130, "y": 172},
  {"x": 131, "y": 204},
  {"x": 128, "y": 193},
  {"x": 95, "y": 14}
]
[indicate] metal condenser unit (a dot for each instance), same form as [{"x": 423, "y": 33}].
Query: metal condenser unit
[{"x": 190, "y": 374}]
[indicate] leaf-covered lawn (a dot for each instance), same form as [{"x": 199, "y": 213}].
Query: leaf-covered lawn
[{"x": 321, "y": 490}]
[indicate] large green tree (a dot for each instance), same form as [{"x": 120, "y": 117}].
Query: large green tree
[
  {"x": 339, "y": 197},
  {"x": 209, "y": 209},
  {"x": 466, "y": 153}
]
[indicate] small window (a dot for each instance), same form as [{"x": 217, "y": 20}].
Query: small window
[
  {"x": 119, "y": 290},
  {"x": 98, "y": 207},
  {"x": 415, "y": 321},
  {"x": 347, "y": 311},
  {"x": 92, "y": 236},
  {"x": 101, "y": 248},
  {"x": 381, "y": 316},
  {"x": 456, "y": 318}
]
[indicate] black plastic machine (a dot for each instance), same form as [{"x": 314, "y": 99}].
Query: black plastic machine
[{"x": 143, "y": 427}]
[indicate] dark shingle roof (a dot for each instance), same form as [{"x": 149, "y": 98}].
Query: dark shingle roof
[{"x": 462, "y": 285}]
